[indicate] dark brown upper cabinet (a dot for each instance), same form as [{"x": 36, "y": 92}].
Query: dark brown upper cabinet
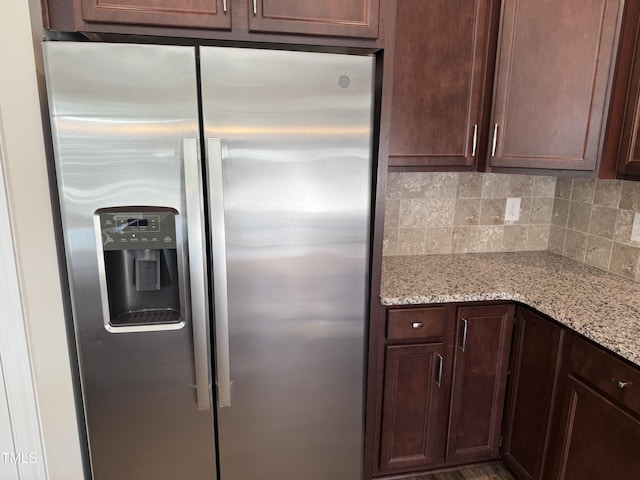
[
  {"x": 344, "y": 18},
  {"x": 332, "y": 22},
  {"x": 440, "y": 68},
  {"x": 554, "y": 72},
  {"x": 626, "y": 99},
  {"x": 170, "y": 13}
]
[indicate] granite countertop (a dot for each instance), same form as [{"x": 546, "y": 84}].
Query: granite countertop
[{"x": 601, "y": 306}]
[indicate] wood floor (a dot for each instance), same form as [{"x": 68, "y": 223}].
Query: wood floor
[{"x": 487, "y": 472}]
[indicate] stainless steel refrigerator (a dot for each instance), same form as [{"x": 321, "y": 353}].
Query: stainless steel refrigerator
[{"x": 216, "y": 207}]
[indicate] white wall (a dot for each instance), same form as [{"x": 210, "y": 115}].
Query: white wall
[
  {"x": 8, "y": 470},
  {"x": 21, "y": 453},
  {"x": 36, "y": 261}
]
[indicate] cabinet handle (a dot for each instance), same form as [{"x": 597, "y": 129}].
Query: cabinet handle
[
  {"x": 620, "y": 384},
  {"x": 440, "y": 366},
  {"x": 255, "y": 7},
  {"x": 495, "y": 140},
  {"x": 417, "y": 325},
  {"x": 224, "y": 6},
  {"x": 465, "y": 326},
  {"x": 475, "y": 140}
]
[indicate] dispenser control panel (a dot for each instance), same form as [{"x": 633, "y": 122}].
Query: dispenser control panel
[{"x": 127, "y": 230}]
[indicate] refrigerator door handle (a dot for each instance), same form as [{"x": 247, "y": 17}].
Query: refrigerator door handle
[
  {"x": 219, "y": 268},
  {"x": 197, "y": 271}
]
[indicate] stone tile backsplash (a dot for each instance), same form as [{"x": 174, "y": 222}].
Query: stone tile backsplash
[
  {"x": 585, "y": 219},
  {"x": 464, "y": 212},
  {"x": 591, "y": 223}
]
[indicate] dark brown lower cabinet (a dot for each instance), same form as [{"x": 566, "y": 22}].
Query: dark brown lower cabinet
[
  {"x": 600, "y": 439},
  {"x": 598, "y": 425},
  {"x": 483, "y": 345},
  {"x": 571, "y": 408},
  {"x": 412, "y": 420},
  {"x": 433, "y": 417},
  {"x": 417, "y": 382},
  {"x": 532, "y": 381}
]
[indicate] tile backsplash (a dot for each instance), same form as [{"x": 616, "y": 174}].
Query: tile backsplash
[
  {"x": 464, "y": 212},
  {"x": 591, "y": 223},
  {"x": 585, "y": 219}
]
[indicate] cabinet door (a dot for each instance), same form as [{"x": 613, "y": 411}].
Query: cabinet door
[
  {"x": 342, "y": 18},
  {"x": 440, "y": 70},
  {"x": 599, "y": 439},
  {"x": 596, "y": 429},
  {"x": 553, "y": 77},
  {"x": 629, "y": 153},
  {"x": 413, "y": 407},
  {"x": 483, "y": 343},
  {"x": 214, "y": 14},
  {"x": 532, "y": 380}
]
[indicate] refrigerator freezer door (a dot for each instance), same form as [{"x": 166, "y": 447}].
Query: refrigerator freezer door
[
  {"x": 120, "y": 114},
  {"x": 295, "y": 146}
]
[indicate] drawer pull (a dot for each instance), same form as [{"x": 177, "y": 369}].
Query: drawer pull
[
  {"x": 620, "y": 384},
  {"x": 417, "y": 325}
]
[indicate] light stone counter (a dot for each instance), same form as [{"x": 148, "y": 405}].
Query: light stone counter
[{"x": 603, "y": 307}]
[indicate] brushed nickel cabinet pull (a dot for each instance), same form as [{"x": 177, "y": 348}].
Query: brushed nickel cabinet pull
[
  {"x": 620, "y": 384},
  {"x": 255, "y": 7},
  {"x": 495, "y": 140},
  {"x": 474, "y": 145},
  {"x": 417, "y": 325},
  {"x": 465, "y": 326},
  {"x": 224, "y": 6},
  {"x": 440, "y": 365}
]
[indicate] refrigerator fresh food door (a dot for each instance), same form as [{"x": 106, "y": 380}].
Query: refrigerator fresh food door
[
  {"x": 125, "y": 133},
  {"x": 290, "y": 172}
]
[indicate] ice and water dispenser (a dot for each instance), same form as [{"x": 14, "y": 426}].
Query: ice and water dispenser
[{"x": 139, "y": 268}]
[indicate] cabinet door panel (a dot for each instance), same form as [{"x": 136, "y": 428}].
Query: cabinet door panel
[
  {"x": 169, "y": 13},
  {"x": 414, "y": 388},
  {"x": 534, "y": 362},
  {"x": 600, "y": 440},
  {"x": 552, "y": 82},
  {"x": 628, "y": 162},
  {"x": 439, "y": 80},
  {"x": 483, "y": 345},
  {"x": 345, "y": 18}
]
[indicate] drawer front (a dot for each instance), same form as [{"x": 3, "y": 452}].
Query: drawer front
[
  {"x": 416, "y": 323},
  {"x": 607, "y": 373}
]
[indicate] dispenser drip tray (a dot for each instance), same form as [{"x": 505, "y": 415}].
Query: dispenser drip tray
[{"x": 147, "y": 316}]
